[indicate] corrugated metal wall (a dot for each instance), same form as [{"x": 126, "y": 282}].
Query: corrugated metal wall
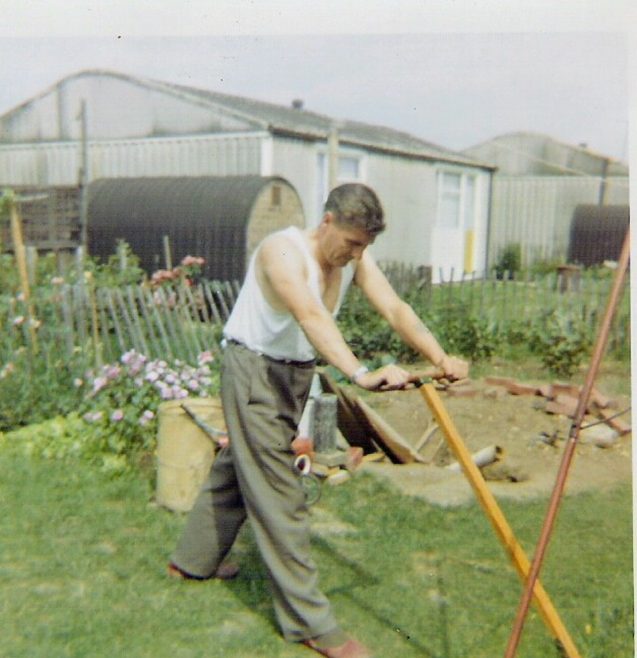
[
  {"x": 536, "y": 212},
  {"x": 58, "y": 163}
]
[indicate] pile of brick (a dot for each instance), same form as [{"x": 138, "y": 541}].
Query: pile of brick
[{"x": 562, "y": 398}]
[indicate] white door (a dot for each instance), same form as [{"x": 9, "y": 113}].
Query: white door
[{"x": 453, "y": 239}]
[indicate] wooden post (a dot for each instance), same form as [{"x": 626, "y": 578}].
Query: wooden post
[
  {"x": 122, "y": 256},
  {"x": 324, "y": 423},
  {"x": 20, "y": 257},
  {"x": 497, "y": 518},
  {"x": 97, "y": 345},
  {"x": 32, "y": 264},
  {"x": 167, "y": 255},
  {"x": 84, "y": 176}
]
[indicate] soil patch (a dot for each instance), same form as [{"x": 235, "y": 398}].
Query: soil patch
[{"x": 532, "y": 443}]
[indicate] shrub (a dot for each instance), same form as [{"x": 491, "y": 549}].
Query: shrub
[
  {"x": 561, "y": 342},
  {"x": 462, "y": 332},
  {"x": 116, "y": 419},
  {"x": 35, "y": 388},
  {"x": 456, "y": 327},
  {"x": 510, "y": 260},
  {"x": 367, "y": 333}
]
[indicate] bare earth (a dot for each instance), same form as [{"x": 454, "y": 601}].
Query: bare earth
[{"x": 528, "y": 465}]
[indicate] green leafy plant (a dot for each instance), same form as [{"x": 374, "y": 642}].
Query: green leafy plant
[
  {"x": 561, "y": 342},
  {"x": 510, "y": 261},
  {"x": 116, "y": 418},
  {"x": 463, "y": 332},
  {"x": 34, "y": 388}
]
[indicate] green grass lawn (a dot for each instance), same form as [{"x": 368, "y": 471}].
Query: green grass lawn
[{"x": 82, "y": 574}]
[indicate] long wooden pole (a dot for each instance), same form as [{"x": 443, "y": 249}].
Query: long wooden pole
[
  {"x": 497, "y": 518},
  {"x": 569, "y": 450},
  {"x": 21, "y": 261}
]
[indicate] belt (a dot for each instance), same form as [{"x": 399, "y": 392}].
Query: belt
[{"x": 288, "y": 362}]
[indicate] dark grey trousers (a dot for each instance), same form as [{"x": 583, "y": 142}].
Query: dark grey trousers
[{"x": 263, "y": 401}]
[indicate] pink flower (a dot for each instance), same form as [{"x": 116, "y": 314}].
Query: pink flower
[
  {"x": 189, "y": 261},
  {"x": 146, "y": 417},
  {"x": 112, "y": 371},
  {"x": 205, "y": 357},
  {"x": 98, "y": 384},
  {"x": 117, "y": 415},
  {"x": 17, "y": 321}
]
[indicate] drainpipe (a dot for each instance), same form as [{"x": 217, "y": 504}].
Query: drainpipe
[
  {"x": 603, "y": 186},
  {"x": 84, "y": 177},
  {"x": 489, "y": 211}
]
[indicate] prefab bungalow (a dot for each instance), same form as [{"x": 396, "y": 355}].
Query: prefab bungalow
[{"x": 100, "y": 124}]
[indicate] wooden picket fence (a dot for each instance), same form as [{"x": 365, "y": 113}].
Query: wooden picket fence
[
  {"x": 180, "y": 322},
  {"x": 172, "y": 322}
]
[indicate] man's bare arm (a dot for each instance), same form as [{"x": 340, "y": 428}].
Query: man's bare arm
[
  {"x": 403, "y": 319},
  {"x": 283, "y": 268}
]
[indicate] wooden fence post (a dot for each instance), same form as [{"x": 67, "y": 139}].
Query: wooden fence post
[
  {"x": 20, "y": 257},
  {"x": 167, "y": 254}
]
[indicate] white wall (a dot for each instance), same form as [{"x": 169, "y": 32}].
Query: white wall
[{"x": 58, "y": 163}]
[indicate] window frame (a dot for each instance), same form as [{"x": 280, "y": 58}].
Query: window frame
[{"x": 465, "y": 217}]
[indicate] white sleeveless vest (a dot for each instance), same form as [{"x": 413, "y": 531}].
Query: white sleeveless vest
[{"x": 277, "y": 334}]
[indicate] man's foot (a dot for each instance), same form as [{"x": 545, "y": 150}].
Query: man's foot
[
  {"x": 226, "y": 571},
  {"x": 349, "y": 649}
]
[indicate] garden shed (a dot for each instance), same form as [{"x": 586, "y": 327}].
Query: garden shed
[
  {"x": 597, "y": 233},
  {"x": 221, "y": 219}
]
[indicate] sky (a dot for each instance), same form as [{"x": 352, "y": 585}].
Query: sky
[{"x": 455, "y": 78}]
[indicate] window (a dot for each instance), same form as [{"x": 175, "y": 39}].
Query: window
[
  {"x": 350, "y": 170},
  {"x": 456, "y": 194}
]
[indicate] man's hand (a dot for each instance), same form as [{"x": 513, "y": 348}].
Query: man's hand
[
  {"x": 454, "y": 368},
  {"x": 387, "y": 378}
]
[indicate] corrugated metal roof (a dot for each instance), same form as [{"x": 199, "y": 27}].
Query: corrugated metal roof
[
  {"x": 301, "y": 122},
  {"x": 280, "y": 119},
  {"x": 522, "y": 153}
]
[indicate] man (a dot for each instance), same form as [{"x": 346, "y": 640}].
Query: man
[{"x": 284, "y": 314}]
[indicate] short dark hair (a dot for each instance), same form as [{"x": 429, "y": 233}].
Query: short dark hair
[{"x": 356, "y": 205}]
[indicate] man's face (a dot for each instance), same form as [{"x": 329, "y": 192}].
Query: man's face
[{"x": 342, "y": 243}]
